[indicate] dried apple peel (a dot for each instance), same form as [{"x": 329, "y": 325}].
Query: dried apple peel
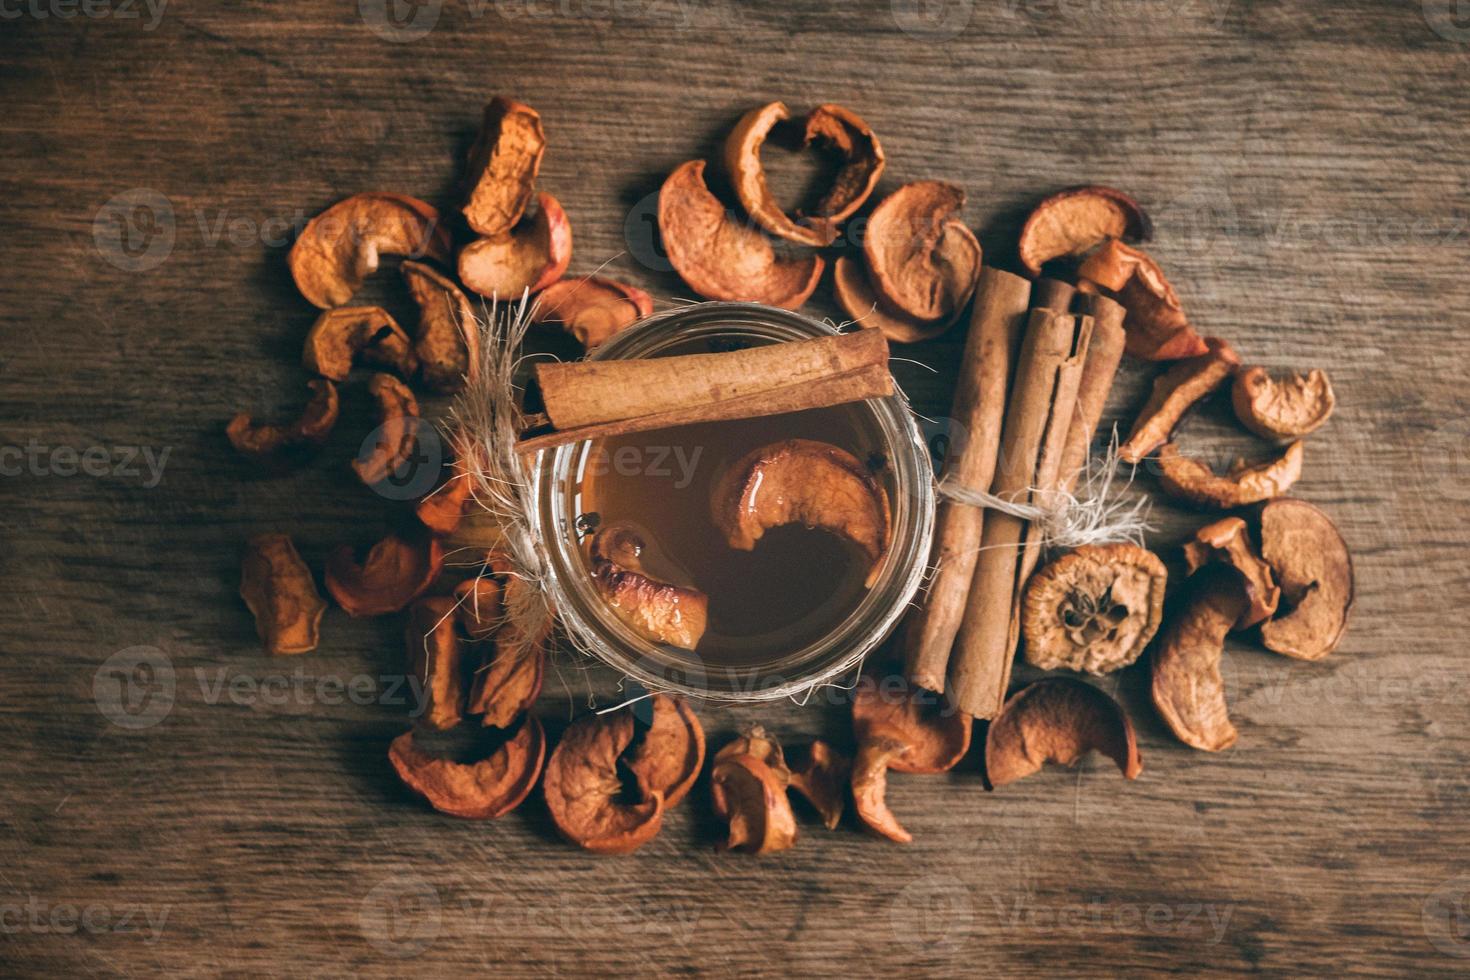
[
  {"x": 483, "y": 790},
  {"x": 1058, "y": 719}
]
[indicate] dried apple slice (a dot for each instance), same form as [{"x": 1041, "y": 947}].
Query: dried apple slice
[
  {"x": 397, "y": 431},
  {"x": 935, "y": 733},
  {"x": 396, "y": 571},
  {"x": 1058, "y": 719},
  {"x": 1188, "y": 690},
  {"x": 807, "y": 482},
  {"x": 281, "y": 594},
  {"x": 1094, "y": 609},
  {"x": 1155, "y": 328},
  {"x": 1227, "y": 542},
  {"x": 870, "y": 783},
  {"x": 481, "y": 790},
  {"x": 829, "y": 124},
  {"x": 1192, "y": 479},
  {"x": 1074, "y": 221},
  {"x": 668, "y": 759},
  {"x": 510, "y": 679},
  {"x": 272, "y": 442},
  {"x": 435, "y": 660},
  {"x": 531, "y": 256},
  {"x": 340, "y": 247},
  {"x": 1174, "y": 393},
  {"x": 441, "y": 509},
  {"x": 822, "y": 777},
  {"x": 591, "y": 309},
  {"x": 718, "y": 255},
  {"x": 503, "y": 164},
  {"x": 1315, "y": 569},
  {"x": 341, "y": 336},
  {"x": 921, "y": 258},
  {"x": 479, "y": 606},
  {"x": 1288, "y": 408},
  {"x": 751, "y": 797},
  {"x": 583, "y": 790},
  {"x": 866, "y": 308},
  {"x": 658, "y": 611},
  {"x": 446, "y": 344}
]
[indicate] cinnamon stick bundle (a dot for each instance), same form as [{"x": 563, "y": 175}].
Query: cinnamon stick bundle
[
  {"x": 1053, "y": 353},
  {"x": 979, "y": 405},
  {"x": 597, "y": 399},
  {"x": 1104, "y": 354}
]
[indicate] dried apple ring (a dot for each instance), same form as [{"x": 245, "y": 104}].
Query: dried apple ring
[
  {"x": 875, "y": 755},
  {"x": 503, "y": 165},
  {"x": 719, "y": 256},
  {"x": 921, "y": 258},
  {"x": 658, "y": 611},
  {"x": 435, "y": 660},
  {"x": 1227, "y": 542},
  {"x": 340, "y": 247},
  {"x": 271, "y": 442},
  {"x": 1058, "y": 719},
  {"x": 510, "y": 679},
  {"x": 751, "y": 797},
  {"x": 1155, "y": 328},
  {"x": 671, "y": 753},
  {"x": 482, "y": 790},
  {"x": 1074, "y": 221},
  {"x": 528, "y": 258},
  {"x": 1192, "y": 479},
  {"x": 1188, "y": 690},
  {"x": 822, "y": 777},
  {"x": 446, "y": 343},
  {"x": 866, "y": 308},
  {"x": 832, "y": 125},
  {"x": 397, "y": 431},
  {"x": 1174, "y": 393},
  {"x": 1288, "y": 408},
  {"x": 1094, "y": 609},
  {"x": 591, "y": 309},
  {"x": 341, "y": 336},
  {"x": 935, "y": 734},
  {"x": 583, "y": 789},
  {"x": 807, "y": 482},
  {"x": 396, "y": 571},
  {"x": 1315, "y": 569},
  {"x": 280, "y": 592}
]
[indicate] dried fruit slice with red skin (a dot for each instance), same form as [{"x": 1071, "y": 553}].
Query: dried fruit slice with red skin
[
  {"x": 1227, "y": 542},
  {"x": 340, "y": 247},
  {"x": 1058, "y": 719},
  {"x": 921, "y": 259},
  {"x": 1093, "y": 609},
  {"x": 1192, "y": 479},
  {"x": 441, "y": 509},
  {"x": 447, "y": 341},
  {"x": 503, "y": 164},
  {"x": 530, "y": 257},
  {"x": 829, "y": 124},
  {"x": 582, "y": 787},
  {"x": 478, "y": 607},
  {"x": 1156, "y": 328},
  {"x": 1074, "y": 221},
  {"x": 397, "y": 431},
  {"x": 281, "y": 594},
  {"x": 668, "y": 759},
  {"x": 510, "y": 679},
  {"x": 657, "y": 611},
  {"x": 807, "y": 482},
  {"x": 1285, "y": 408},
  {"x": 482, "y": 790},
  {"x": 822, "y": 777},
  {"x": 865, "y": 307},
  {"x": 935, "y": 734},
  {"x": 870, "y": 784},
  {"x": 395, "y": 572},
  {"x": 752, "y": 798},
  {"x": 719, "y": 256},
  {"x": 1174, "y": 393},
  {"x": 591, "y": 308},
  {"x": 271, "y": 442},
  {"x": 1188, "y": 690},
  {"x": 1315, "y": 569},
  {"x": 757, "y": 742},
  {"x": 349, "y": 333},
  {"x": 435, "y": 660}
]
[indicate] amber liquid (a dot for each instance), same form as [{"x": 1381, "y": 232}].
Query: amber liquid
[{"x": 792, "y": 589}]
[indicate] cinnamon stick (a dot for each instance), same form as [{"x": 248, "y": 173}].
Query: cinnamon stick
[
  {"x": 1103, "y": 357},
  {"x": 1052, "y": 294},
  {"x": 584, "y": 393},
  {"x": 980, "y": 667},
  {"x": 979, "y": 405}
]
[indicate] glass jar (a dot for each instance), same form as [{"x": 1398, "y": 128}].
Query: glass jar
[{"x": 597, "y": 631}]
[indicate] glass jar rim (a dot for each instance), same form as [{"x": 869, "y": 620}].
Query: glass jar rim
[{"x": 596, "y": 631}]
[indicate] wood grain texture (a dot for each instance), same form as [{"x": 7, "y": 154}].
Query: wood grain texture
[{"x": 1305, "y": 166}]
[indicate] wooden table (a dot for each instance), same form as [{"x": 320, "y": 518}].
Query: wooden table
[{"x": 1305, "y": 166}]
